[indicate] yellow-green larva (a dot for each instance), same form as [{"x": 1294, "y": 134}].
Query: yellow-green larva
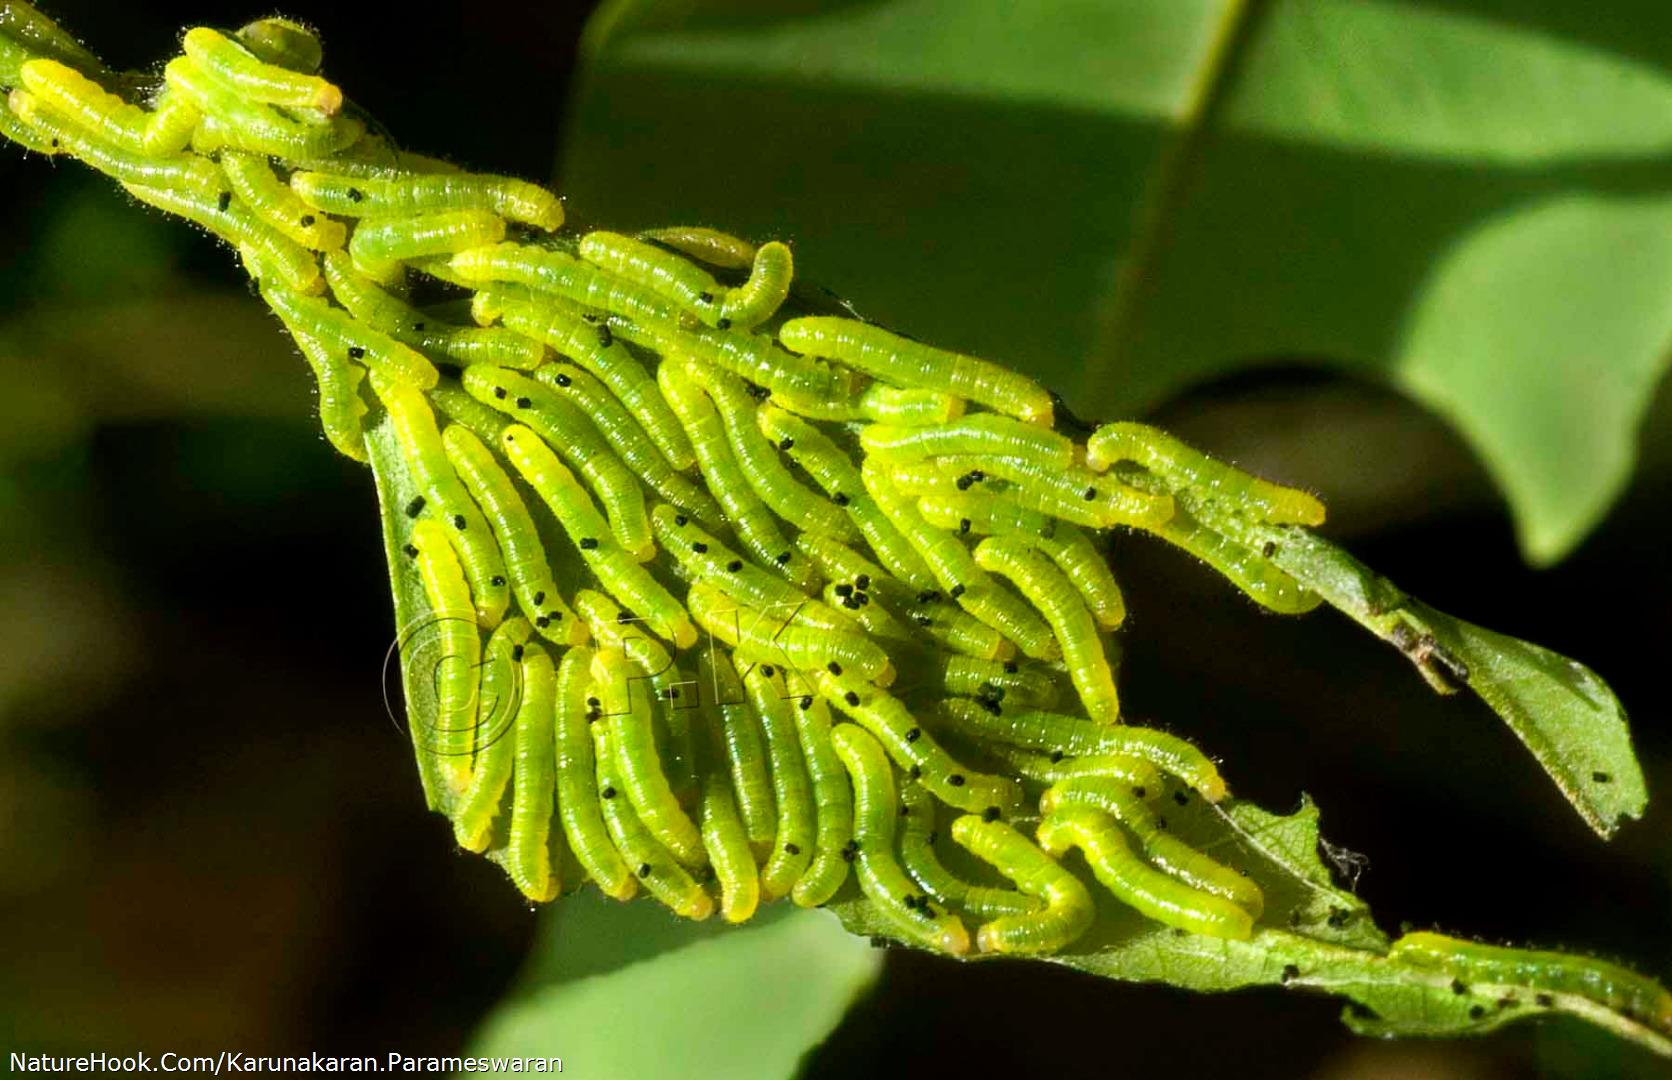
[
  {"x": 663, "y": 273},
  {"x": 13, "y": 127},
  {"x": 561, "y": 274},
  {"x": 904, "y": 362},
  {"x": 626, "y": 708},
  {"x": 406, "y": 195},
  {"x": 1075, "y": 493},
  {"x": 1147, "y": 891},
  {"x": 577, "y": 782},
  {"x": 627, "y": 438},
  {"x": 792, "y": 787},
  {"x": 230, "y": 119},
  {"x": 525, "y": 556},
  {"x": 956, "y": 570},
  {"x": 941, "y": 477},
  {"x": 377, "y": 308},
  {"x": 954, "y": 627},
  {"x": 915, "y": 749},
  {"x": 1055, "y": 596},
  {"x": 1052, "y": 767},
  {"x": 756, "y": 527},
  {"x": 1161, "y": 847},
  {"x": 1014, "y": 683},
  {"x": 824, "y": 461},
  {"x": 104, "y": 116},
  {"x": 857, "y": 582},
  {"x": 498, "y": 706},
  {"x": 1260, "y": 579},
  {"x": 1182, "y": 466},
  {"x": 235, "y": 223},
  {"x": 774, "y": 638},
  {"x": 708, "y": 560},
  {"x": 593, "y": 347},
  {"x": 619, "y": 573},
  {"x": 832, "y": 801},
  {"x": 533, "y": 783},
  {"x": 452, "y": 620},
  {"x": 379, "y": 243},
  {"x": 752, "y": 357},
  {"x": 1471, "y": 962},
  {"x": 874, "y": 401},
  {"x": 656, "y": 869},
  {"x": 169, "y": 128},
  {"x": 948, "y": 560},
  {"x": 260, "y": 267},
  {"x": 729, "y": 851},
  {"x": 1068, "y": 909},
  {"x": 460, "y": 408},
  {"x": 229, "y": 63},
  {"x": 917, "y": 855},
  {"x": 874, "y": 619},
  {"x": 833, "y": 471},
  {"x": 380, "y": 353},
  {"x": 709, "y": 245},
  {"x": 571, "y": 431},
  {"x": 1007, "y": 613},
  {"x": 446, "y": 497},
  {"x": 841, "y": 563},
  {"x": 1067, "y": 546},
  {"x": 745, "y": 745},
  {"x": 1072, "y": 735},
  {"x": 342, "y": 410},
  {"x": 253, "y": 181},
  {"x": 187, "y": 173},
  {"x": 876, "y": 811},
  {"x": 667, "y": 684},
  {"x": 981, "y": 433},
  {"x": 376, "y": 157},
  {"x": 759, "y": 298},
  {"x": 908, "y": 406},
  {"x": 759, "y": 461}
]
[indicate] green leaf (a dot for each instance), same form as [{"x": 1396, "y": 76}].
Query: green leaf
[
  {"x": 396, "y": 488},
  {"x": 1468, "y": 200},
  {"x": 1560, "y": 709},
  {"x": 1314, "y": 937},
  {"x": 630, "y": 990}
]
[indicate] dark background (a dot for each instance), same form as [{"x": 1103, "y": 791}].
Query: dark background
[{"x": 211, "y": 835}]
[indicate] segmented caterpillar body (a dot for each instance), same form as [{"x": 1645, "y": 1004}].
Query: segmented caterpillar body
[
  {"x": 876, "y": 810},
  {"x": 1473, "y": 962},
  {"x": 904, "y": 362},
  {"x": 1068, "y": 909}
]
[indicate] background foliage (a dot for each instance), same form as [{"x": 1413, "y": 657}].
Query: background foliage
[{"x": 1408, "y": 255}]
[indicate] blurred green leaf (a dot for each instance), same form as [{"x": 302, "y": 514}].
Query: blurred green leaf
[
  {"x": 630, "y": 990},
  {"x": 1467, "y": 199},
  {"x": 96, "y": 248}
]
